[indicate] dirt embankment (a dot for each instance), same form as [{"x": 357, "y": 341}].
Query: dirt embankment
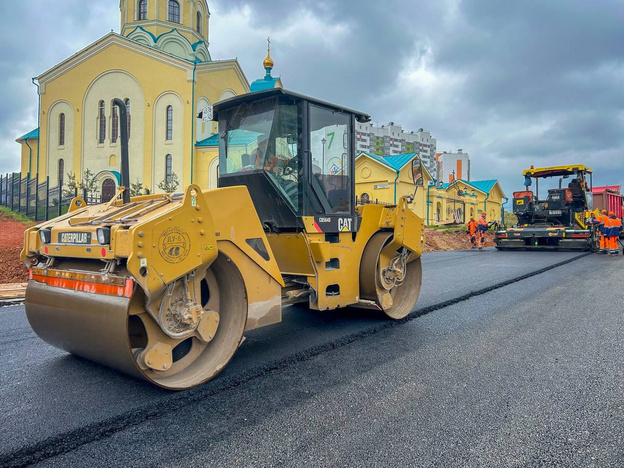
[
  {"x": 12, "y": 270},
  {"x": 437, "y": 240}
]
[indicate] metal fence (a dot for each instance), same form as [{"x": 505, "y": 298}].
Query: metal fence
[{"x": 36, "y": 199}]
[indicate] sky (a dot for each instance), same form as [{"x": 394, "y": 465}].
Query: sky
[{"x": 512, "y": 82}]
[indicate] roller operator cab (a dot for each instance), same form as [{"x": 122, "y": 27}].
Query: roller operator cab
[
  {"x": 295, "y": 156},
  {"x": 555, "y": 218},
  {"x": 164, "y": 286}
]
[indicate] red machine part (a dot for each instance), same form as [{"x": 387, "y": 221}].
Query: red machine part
[
  {"x": 524, "y": 194},
  {"x": 609, "y": 198}
]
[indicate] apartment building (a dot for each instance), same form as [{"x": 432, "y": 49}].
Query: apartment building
[
  {"x": 391, "y": 139},
  {"x": 452, "y": 166}
]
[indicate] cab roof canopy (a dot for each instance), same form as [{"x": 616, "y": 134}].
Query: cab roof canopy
[
  {"x": 555, "y": 171},
  {"x": 257, "y": 95}
]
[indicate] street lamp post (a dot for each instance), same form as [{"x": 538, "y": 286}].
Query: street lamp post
[{"x": 323, "y": 141}]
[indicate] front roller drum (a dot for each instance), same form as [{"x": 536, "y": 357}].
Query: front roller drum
[
  {"x": 393, "y": 286},
  {"x": 118, "y": 333}
]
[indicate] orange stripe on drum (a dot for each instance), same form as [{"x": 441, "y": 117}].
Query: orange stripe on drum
[{"x": 86, "y": 286}]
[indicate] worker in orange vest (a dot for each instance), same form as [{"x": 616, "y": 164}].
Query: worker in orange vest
[
  {"x": 471, "y": 230},
  {"x": 615, "y": 226},
  {"x": 482, "y": 227},
  {"x": 601, "y": 221}
]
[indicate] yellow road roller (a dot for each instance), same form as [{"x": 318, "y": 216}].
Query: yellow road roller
[{"x": 163, "y": 286}]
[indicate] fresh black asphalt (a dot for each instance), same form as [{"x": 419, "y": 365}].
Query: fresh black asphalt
[{"x": 292, "y": 411}]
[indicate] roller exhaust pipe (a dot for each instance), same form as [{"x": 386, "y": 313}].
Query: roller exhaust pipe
[{"x": 125, "y": 165}]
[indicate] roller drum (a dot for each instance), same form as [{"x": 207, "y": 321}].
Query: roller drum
[{"x": 88, "y": 325}]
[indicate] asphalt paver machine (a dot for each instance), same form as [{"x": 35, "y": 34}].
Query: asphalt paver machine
[{"x": 559, "y": 220}]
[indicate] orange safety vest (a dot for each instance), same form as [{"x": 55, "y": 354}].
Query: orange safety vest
[
  {"x": 614, "y": 226},
  {"x": 602, "y": 222},
  {"x": 472, "y": 227}
]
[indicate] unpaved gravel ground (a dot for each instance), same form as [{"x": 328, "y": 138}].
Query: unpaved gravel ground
[
  {"x": 11, "y": 241},
  {"x": 439, "y": 240}
]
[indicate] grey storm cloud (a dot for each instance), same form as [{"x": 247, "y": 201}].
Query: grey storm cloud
[{"x": 512, "y": 82}]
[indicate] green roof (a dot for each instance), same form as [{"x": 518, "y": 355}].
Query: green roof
[
  {"x": 396, "y": 161},
  {"x": 268, "y": 82},
  {"x": 33, "y": 134},
  {"x": 483, "y": 185},
  {"x": 212, "y": 140},
  {"x": 236, "y": 137}
]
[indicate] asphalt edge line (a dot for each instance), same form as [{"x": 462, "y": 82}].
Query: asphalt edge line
[{"x": 76, "y": 438}]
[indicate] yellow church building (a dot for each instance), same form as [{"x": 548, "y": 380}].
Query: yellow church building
[
  {"x": 161, "y": 67},
  {"x": 384, "y": 179}
]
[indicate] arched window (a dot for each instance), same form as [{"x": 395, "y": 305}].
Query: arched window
[
  {"x": 174, "y": 11},
  {"x": 102, "y": 122},
  {"x": 199, "y": 22},
  {"x": 142, "y": 9},
  {"x": 62, "y": 129},
  {"x": 169, "y": 123},
  {"x": 61, "y": 171},
  {"x": 168, "y": 168},
  {"x": 127, "y": 102},
  {"x": 115, "y": 124}
]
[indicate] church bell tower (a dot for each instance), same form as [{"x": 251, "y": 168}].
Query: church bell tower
[{"x": 178, "y": 27}]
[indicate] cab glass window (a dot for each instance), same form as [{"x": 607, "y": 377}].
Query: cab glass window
[
  {"x": 330, "y": 148},
  {"x": 265, "y": 139}
]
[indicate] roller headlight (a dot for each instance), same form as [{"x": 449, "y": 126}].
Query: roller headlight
[
  {"x": 103, "y": 235},
  {"x": 45, "y": 235}
]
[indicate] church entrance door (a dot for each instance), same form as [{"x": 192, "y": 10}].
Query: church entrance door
[{"x": 108, "y": 189}]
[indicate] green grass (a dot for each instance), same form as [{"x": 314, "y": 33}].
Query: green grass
[
  {"x": 447, "y": 228},
  {"x": 21, "y": 217},
  {"x": 510, "y": 219}
]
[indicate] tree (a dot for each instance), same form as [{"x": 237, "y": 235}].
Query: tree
[
  {"x": 88, "y": 183},
  {"x": 169, "y": 184},
  {"x": 136, "y": 188},
  {"x": 70, "y": 186}
]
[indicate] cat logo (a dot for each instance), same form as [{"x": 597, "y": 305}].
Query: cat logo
[
  {"x": 174, "y": 245},
  {"x": 344, "y": 224},
  {"x": 519, "y": 202}
]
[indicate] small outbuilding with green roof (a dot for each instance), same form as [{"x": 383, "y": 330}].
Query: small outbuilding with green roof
[{"x": 384, "y": 179}]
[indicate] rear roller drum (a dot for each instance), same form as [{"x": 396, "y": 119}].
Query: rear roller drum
[{"x": 391, "y": 280}]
